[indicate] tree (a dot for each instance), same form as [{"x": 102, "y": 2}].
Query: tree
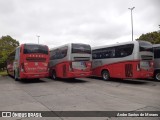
[
  {"x": 7, "y": 45},
  {"x": 153, "y": 37}
]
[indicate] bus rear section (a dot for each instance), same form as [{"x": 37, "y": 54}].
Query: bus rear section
[
  {"x": 145, "y": 64},
  {"x": 34, "y": 60},
  {"x": 70, "y": 61},
  {"x": 123, "y": 60},
  {"x": 156, "y": 49}
]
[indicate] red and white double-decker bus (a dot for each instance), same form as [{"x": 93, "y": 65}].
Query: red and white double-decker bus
[
  {"x": 29, "y": 61},
  {"x": 123, "y": 60},
  {"x": 70, "y": 61}
]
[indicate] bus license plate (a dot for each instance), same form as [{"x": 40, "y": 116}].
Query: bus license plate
[{"x": 144, "y": 64}]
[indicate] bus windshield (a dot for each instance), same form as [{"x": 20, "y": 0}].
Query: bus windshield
[
  {"x": 145, "y": 46},
  {"x": 28, "y": 49},
  {"x": 81, "y": 48}
]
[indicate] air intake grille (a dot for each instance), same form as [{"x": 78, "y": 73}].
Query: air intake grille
[
  {"x": 81, "y": 58},
  {"x": 146, "y": 57},
  {"x": 128, "y": 70},
  {"x": 64, "y": 71},
  {"x": 35, "y": 59}
]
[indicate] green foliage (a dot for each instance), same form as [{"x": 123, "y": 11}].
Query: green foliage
[
  {"x": 153, "y": 37},
  {"x": 3, "y": 73},
  {"x": 7, "y": 45}
]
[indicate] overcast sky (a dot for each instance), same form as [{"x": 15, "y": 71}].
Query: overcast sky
[{"x": 95, "y": 22}]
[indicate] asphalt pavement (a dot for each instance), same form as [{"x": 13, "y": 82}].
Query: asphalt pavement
[{"x": 81, "y": 94}]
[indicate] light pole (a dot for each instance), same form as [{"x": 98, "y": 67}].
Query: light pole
[
  {"x": 131, "y": 20},
  {"x": 38, "y": 38}
]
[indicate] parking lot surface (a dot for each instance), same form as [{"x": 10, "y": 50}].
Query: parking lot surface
[{"x": 81, "y": 94}]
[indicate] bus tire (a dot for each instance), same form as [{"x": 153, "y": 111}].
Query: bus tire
[
  {"x": 157, "y": 76},
  {"x": 54, "y": 75},
  {"x": 105, "y": 75},
  {"x": 15, "y": 77}
]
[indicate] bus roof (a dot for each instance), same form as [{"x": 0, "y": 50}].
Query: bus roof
[
  {"x": 117, "y": 44},
  {"x": 33, "y": 44},
  {"x": 156, "y": 45},
  {"x": 68, "y": 44}
]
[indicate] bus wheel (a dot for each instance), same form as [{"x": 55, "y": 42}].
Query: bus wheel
[
  {"x": 15, "y": 77},
  {"x": 157, "y": 76},
  {"x": 105, "y": 75},
  {"x": 54, "y": 75}
]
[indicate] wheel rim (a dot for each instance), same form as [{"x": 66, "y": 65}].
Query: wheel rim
[
  {"x": 105, "y": 76},
  {"x": 158, "y": 76}
]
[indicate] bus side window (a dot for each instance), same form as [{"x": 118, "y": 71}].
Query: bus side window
[
  {"x": 11, "y": 57},
  {"x": 124, "y": 50},
  {"x": 52, "y": 55}
]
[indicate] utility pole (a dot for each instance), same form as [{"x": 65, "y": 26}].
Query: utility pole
[{"x": 131, "y": 20}]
